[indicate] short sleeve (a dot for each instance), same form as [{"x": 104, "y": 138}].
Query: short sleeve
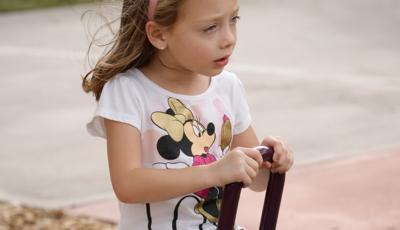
[
  {"x": 118, "y": 102},
  {"x": 241, "y": 107}
]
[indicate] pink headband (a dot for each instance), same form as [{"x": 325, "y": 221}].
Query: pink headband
[{"x": 152, "y": 9}]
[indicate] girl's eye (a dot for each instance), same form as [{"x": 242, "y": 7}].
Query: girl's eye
[
  {"x": 211, "y": 28},
  {"x": 235, "y": 19}
]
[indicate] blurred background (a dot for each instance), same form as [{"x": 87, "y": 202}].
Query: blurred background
[{"x": 323, "y": 74}]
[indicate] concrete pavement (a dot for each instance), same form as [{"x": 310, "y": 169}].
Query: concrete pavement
[{"x": 360, "y": 193}]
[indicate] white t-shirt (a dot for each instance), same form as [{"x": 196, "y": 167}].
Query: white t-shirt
[{"x": 177, "y": 131}]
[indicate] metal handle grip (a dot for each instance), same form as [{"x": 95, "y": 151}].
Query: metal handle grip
[{"x": 231, "y": 196}]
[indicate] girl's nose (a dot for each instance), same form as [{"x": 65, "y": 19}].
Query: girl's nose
[{"x": 228, "y": 38}]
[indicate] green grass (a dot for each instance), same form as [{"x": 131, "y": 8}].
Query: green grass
[{"x": 14, "y": 5}]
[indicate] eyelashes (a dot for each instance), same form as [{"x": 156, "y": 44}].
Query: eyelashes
[
  {"x": 214, "y": 27},
  {"x": 236, "y": 18}
]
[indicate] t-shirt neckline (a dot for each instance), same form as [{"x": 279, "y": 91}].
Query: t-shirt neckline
[{"x": 164, "y": 91}]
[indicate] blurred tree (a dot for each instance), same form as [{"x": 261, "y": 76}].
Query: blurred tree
[{"x": 13, "y": 5}]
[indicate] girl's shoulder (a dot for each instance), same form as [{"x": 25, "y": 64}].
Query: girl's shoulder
[
  {"x": 129, "y": 78},
  {"x": 126, "y": 84}
]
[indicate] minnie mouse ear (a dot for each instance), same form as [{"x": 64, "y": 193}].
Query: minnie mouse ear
[{"x": 168, "y": 148}]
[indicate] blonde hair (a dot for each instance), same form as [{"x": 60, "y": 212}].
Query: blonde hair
[{"x": 130, "y": 47}]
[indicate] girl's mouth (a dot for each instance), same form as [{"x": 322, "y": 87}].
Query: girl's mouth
[{"x": 222, "y": 62}]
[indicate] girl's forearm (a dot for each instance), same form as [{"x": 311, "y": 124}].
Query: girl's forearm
[{"x": 142, "y": 185}]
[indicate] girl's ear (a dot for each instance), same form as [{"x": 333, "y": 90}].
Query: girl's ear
[{"x": 156, "y": 35}]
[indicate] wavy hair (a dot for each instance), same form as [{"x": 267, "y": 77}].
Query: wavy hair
[{"x": 130, "y": 46}]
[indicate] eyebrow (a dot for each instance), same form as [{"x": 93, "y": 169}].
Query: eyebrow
[{"x": 216, "y": 16}]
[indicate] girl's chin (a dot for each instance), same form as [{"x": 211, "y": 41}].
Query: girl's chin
[{"x": 214, "y": 72}]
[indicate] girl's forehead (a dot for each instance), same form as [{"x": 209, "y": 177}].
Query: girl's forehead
[{"x": 205, "y": 10}]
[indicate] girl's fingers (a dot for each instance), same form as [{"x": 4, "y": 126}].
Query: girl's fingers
[
  {"x": 277, "y": 144},
  {"x": 284, "y": 166},
  {"x": 247, "y": 182},
  {"x": 247, "y": 178},
  {"x": 269, "y": 141},
  {"x": 251, "y": 170},
  {"x": 251, "y": 173},
  {"x": 253, "y": 154},
  {"x": 266, "y": 165},
  {"x": 248, "y": 162},
  {"x": 288, "y": 159},
  {"x": 280, "y": 169},
  {"x": 283, "y": 157},
  {"x": 277, "y": 167},
  {"x": 252, "y": 163},
  {"x": 291, "y": 159}
]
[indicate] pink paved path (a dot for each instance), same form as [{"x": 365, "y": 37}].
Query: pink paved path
[{"x": 361, "y": 193}]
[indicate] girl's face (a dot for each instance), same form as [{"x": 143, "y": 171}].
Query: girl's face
[{"x": 204, "y": 36}]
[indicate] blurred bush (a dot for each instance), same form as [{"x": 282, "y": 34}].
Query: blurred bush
[{"x": 13, "y": 5}]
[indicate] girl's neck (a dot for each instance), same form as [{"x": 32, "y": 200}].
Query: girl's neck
[{"x": 178, "y": 81}]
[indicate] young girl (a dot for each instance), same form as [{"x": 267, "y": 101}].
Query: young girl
[{"x": 177, "y": 126}]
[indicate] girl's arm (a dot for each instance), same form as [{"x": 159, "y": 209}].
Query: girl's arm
[{"x": 134, "y": 184}]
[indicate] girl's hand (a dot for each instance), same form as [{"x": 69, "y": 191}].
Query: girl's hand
[
  {"x": 239, "y": 165},
  {"x": 283, "y": 156}
]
